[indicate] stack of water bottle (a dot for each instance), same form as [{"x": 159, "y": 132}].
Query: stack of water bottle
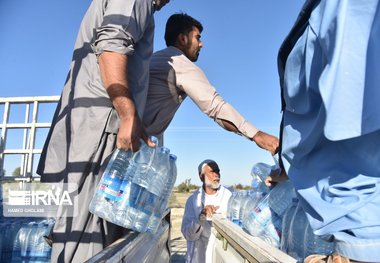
[
  {"x": 275, "y": 215},
  {"x": 22, "y": 239},
  {"x": 261, "y": 209},
  {"x": 298, "y": 239},
  {"x": 135, "y": 188},
  {"x": 242, "y": 202}
]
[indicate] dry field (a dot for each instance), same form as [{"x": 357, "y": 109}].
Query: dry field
[{"x": 178, "y": 242}]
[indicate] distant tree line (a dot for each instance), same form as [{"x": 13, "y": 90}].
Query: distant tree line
[{"x": 186, "y": 186}]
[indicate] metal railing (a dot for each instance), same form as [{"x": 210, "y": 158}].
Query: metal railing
[{"x": 29, "y": 127}]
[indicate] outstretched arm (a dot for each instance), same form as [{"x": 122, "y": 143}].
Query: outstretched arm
[
  {"x": 266, "y": 141},
  {"x": 262, "y": 139},
  {"x": 195, "y": 84}
]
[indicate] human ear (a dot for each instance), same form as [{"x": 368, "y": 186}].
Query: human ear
[
  {"x": 202, "y": 177},
  {"x": 182, "y": 39}
]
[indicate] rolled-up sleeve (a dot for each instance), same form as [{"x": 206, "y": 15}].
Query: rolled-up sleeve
[
  {"x": 124, "y": 24},
  {"x": 195, "y": 84}
]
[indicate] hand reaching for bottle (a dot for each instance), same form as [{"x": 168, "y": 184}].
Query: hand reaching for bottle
[
  {"x": 266, "y": 141},
  {"x": 276, "y": 176}
]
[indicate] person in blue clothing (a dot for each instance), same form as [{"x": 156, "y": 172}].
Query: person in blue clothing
[{"x": 329, "y": 67}]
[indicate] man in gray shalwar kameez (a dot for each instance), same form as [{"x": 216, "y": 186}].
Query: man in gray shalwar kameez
[
  {"x": 100, "y": 108},
  {"x": 173, "y": 76}
]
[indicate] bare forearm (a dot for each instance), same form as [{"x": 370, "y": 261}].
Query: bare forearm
[
  {"x": 229, "y": 126},
  {"x": 114, "y": 70}
]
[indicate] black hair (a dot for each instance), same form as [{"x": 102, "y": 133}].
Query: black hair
[
  {"x": 213, "y": 165},
  {"x": 179, "y": 23}
]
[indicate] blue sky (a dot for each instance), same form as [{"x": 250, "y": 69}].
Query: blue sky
[{"x": 241, "y": 41}]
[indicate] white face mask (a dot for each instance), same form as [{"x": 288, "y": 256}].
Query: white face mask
[{"x": 210, "y": 184}]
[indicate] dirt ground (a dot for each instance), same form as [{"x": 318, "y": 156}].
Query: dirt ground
[{"x": 178, "y": 242}]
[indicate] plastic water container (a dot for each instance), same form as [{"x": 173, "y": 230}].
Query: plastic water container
[
  {"x": 315, "y": 244},
  {"x": 144, "y": 205},
  {"x": 229, "y": 205},
  {"x": 111, "y": 185},
  {"x": 247, "y": 197},
  {"x": 235, "y": 207},
  {"x": 281, "y": 196},
  {"x": 144, "y": 189},
  {"x": 9, "y": 229},
  {"x": 260, "y": 217},
  {"x": 254, "y": 199},
  {"x": 141, "y": 164},
  {"x": 296, "y": 242},
  {"x": 286, "y": 221},
  {"x": 272, "y": 232},
  {"x": 265, "y": 220},
  {"x": 173, "y": 175},
  {"x": 125, "y": 211},
  {"x": 41, "y": 251},
  {"x": 259, "y": 172},
  {"x": 142, "y": 199},
  {"x": 29, "y": 244},
  {"x": 156, "y": 217},
  {"x": 21, "y": 247},
  {"x": 159, "y": 172}
]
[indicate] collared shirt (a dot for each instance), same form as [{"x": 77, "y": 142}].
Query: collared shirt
[
  {"x": 173, "y": 77},
  {"x": 196, "y": 230}
]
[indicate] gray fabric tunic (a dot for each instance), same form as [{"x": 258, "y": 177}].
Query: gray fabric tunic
[
  {"x": 172, "y": 78},
  {"x": 83, "y": 132}
]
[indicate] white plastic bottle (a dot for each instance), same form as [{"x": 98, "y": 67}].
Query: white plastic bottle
[
  {"x": 254, "y": 199},
  {"x": 296, "y": 241},
  {"x": 265, "y": 219},
  {"x": 286, "y": 220},
  {"x": 145, "y": 165},
  {"x": 141, "y": 163},
  {"x": 23, "y": 242},
  {"x": 235, "y": 207},
  {"x": 145, "y": 199},
  {"x": 109, "y": 189},
  {"x": 19, "y": 244},
  {"x": 259, "y": 217},
  {"x": 315, "y": 244},
  {"x": 229, "y": 205},
  {"x": 281, "y": 196},
  {"x": 11, "y": 227},
  {"x": 41, "y": 251},
  {"x": 126, "y": 210},
  {"x": 259, "y": 172},
  {"x": 243, "y": 205},
  {"x": 159, "y": 172},
  {"x": 160, "y": 208},
  {"x": 173, "y": 173},
  {"x": 135, "y": 179}
]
